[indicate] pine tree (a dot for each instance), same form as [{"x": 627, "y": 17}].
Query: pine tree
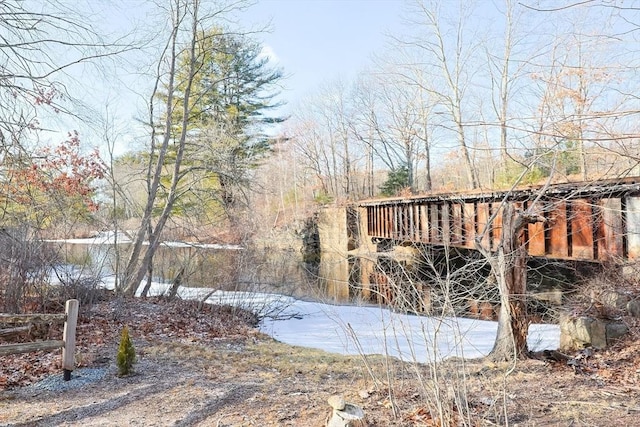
[
  {"x": 126, "y": 354},
  {"x": 397, "y": 179},
  {"x": 232, "y": 97}
]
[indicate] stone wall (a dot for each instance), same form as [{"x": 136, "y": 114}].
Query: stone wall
[{"x": 334, "y": 244}]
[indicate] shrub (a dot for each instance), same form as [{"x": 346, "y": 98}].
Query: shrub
[{"x": 126, "y": 354}]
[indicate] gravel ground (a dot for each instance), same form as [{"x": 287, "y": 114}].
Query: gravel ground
[{"x": 79, "y": 378}]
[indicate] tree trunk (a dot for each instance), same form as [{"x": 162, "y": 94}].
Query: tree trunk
[
  {"x": 472, "y": 174},
  {"x": 176, "y": 283},
  {"x": 136, "y": 267},
  {"x": 147, "y": 286},
  {"x": 510, "y": 267}
]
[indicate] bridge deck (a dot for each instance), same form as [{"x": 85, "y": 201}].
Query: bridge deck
[{"x": 592, "y": 221}]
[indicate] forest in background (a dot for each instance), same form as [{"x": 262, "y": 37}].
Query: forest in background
[
  {"x": 470, "y": 96},
  {"x": 543, "y": 94}
]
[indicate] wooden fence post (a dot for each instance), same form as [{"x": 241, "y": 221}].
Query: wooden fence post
[{"x": 69, "y": 338}]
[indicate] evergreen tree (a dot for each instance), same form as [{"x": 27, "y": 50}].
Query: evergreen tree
[
  {"x": 232, "y": 95},
  {"x": 126, "y": 354},
  {"x": 396, "y": 180}
]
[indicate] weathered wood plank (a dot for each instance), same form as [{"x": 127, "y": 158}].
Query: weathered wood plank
[
  {"x": 632, "y": 213},
  {"x": 7, "y": 349},
  {"x": 610, "y": 230},
  {"x": 8, "y": 332},
  {"x": 424, "y": 223},
  {"x": 496, "y": 227},
  {"x": 581, "y": 229},
  {"x": 31, "y": 318},
  {"x": 456, "y": 226},
  {"x": 536, "y": 231},
  {"x": 558, "y": 235},
  {"x": 483, "y": 228},
  {"x": 469, "y": 224},
  {"x": 434, "y": 223},
  {"x": 445, "y": 223}
]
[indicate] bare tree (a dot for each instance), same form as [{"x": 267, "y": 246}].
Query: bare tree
[
  {"x": 504, "y": 72},
  {"x": 448, "y": 67},
  {"x": 393, "y": 122},
  {"x": 324, "y": 136}
]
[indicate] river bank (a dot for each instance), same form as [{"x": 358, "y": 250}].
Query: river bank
[{"x": 211, "y": 367}]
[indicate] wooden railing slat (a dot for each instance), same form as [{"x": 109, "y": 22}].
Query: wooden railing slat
[
  {"x": 29, "y": 318},
  {"x": 8, "y": 332},
  {"x": 7, "y": 349}
]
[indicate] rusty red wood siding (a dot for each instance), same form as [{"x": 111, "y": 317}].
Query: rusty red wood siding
[{"x": 596, "y": 221}]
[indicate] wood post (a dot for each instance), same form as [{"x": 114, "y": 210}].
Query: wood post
[
  {"x": 69, "y": 338},
  {"x": 68, "y": 342}
]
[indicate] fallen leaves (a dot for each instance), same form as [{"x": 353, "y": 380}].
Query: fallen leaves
[{"x": 99, "y": 328}]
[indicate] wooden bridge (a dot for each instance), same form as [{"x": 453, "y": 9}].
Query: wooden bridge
[{"x": 587, "y": 221}]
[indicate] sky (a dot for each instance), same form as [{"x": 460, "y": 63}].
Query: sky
[
  {"x": 314, "y": 42},
  {"x": 319, "y": 41}
]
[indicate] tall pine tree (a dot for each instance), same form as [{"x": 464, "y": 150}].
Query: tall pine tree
[{"x": 232, "y": 97}]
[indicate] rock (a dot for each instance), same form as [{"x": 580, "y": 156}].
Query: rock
[
  {"x": 488, "y": 401},
  {"x": 344, "y": 414},
  {"x": 633, "y": 308},
  {"x": 553, "y": 296},
  {"x": 337, "y": 402},
  {"x": 364, "y": 394},
  {"x": 616, "y": 330},
  {"x": 580, "y": 332},
  {"x": 349, "y": 416},
  {"x": 614, "y": 299},
  {"x": 598, "y": 333},
  {"x": 630, "y": 271}
]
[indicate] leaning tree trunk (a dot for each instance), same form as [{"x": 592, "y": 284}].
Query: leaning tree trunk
[
  {"x": 136, "y": 268},
  {"x": 510, "y": 267}
]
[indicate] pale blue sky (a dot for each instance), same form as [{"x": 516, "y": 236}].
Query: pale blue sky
[
  {"x": 318, "y": 41},
  {"x": 315, "y": 42}
]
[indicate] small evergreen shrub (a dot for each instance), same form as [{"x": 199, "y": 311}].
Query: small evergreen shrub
[{"x": 126, "y": 354}]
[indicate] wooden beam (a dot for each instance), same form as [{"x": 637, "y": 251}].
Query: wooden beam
[
  {"x": 8, "y": 332},
  {"x": 29, "y": 347},
  {"x": 31, "y": 318}
]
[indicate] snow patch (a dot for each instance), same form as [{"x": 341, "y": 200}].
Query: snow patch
[{"x": 352, "y": 330}]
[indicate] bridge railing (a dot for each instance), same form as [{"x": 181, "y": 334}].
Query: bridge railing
[{"x": 592, "y": 226}]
